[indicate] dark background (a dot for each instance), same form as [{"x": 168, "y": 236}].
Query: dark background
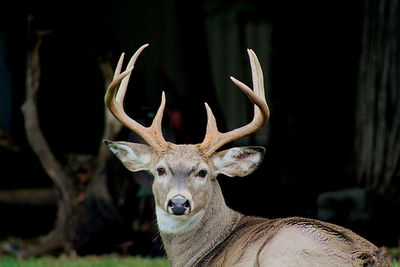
[{"x": 311, "y": 69}]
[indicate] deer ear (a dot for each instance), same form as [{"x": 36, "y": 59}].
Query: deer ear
[
  {"x": 135, "y": 157},
  {"x": 238, "y": 161}
]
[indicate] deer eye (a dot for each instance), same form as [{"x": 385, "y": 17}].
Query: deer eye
[
  {"x": 202, "y": 173},
  {"x": 160, "y": 171}
]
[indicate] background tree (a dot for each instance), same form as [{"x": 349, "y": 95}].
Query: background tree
[
  {"x": 86, "y": 211},
  {"x": 377, "y": 139},
  {"x": 378, "y": 99}
]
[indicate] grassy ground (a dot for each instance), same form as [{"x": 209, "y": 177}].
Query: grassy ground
[
  {"x": 90, "y": 261},
  {"x": 93, "y": 261},
  {"x": 395, "y": 255}
]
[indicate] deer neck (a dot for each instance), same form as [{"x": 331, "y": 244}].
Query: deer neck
[{"x": 188, "y": 247}]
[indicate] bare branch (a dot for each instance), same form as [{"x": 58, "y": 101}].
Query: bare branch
[{"x": 32, "y": 125}]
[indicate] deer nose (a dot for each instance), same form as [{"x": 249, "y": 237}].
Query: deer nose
[{"x": 178, "y": 205}]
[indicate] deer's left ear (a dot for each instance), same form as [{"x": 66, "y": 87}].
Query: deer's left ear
[{"x": 238, "y": 161}]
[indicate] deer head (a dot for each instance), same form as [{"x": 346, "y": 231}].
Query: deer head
[{"x": 183, "y": 174}]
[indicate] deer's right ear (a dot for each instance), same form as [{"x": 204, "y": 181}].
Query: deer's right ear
[{"x": 134, "y": 156}]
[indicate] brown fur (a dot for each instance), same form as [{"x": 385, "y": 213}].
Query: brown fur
[
  {"x": 341, "y": 243},
  {"x": 227, "y": 238},
  {"x": 187, "y": 249}
]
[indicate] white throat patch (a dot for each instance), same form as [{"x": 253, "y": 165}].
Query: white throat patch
[{"x": 172, "y": 224}]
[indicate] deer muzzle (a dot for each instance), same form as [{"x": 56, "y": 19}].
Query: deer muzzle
[{"x": 179, "y": 205}]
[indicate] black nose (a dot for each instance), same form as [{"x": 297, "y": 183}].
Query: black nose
[{"x": 178, "y": 205}]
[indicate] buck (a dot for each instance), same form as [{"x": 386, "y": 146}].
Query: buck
[{"x": 196, "y": 226}]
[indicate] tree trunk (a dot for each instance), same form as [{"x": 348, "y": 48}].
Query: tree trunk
[
  {"x": 86, "y": 214},
  {"x": 378, "y": 99}
]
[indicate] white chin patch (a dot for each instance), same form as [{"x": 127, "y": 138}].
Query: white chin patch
[
  {"x": 170, "y": 212},
  {"x": 173, "y": 224}
]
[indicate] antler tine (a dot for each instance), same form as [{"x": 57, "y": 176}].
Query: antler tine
[
  {"x": 114, "y": 99},
  {"x": 215, "y": 139},
  {"x": 124, "y": 84}
]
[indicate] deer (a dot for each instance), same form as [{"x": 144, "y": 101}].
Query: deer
[{"x": 196, "y": 226}]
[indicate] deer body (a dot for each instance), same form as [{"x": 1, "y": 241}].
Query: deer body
[{"x": 196, "y": 226}]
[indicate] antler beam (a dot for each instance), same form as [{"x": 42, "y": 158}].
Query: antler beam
[
  {"x": 215, "y": 139},
  {"x": 114, "y": 99}
]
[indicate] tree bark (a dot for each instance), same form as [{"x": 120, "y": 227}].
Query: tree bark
[
  {"x": 36, "y": 139},
  {"x": 85, "y": 212},
  {"x": 378, "y": 99}
]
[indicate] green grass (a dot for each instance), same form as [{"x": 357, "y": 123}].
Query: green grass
[
  {"x": 94, "y": 261},
  {"x": 89, "y": 261},
  {"x": 395, "y": 253}
]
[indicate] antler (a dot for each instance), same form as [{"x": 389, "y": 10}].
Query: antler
[
  {"x": 114, "y": 100},
  {"x": 215, "y": 139}
]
